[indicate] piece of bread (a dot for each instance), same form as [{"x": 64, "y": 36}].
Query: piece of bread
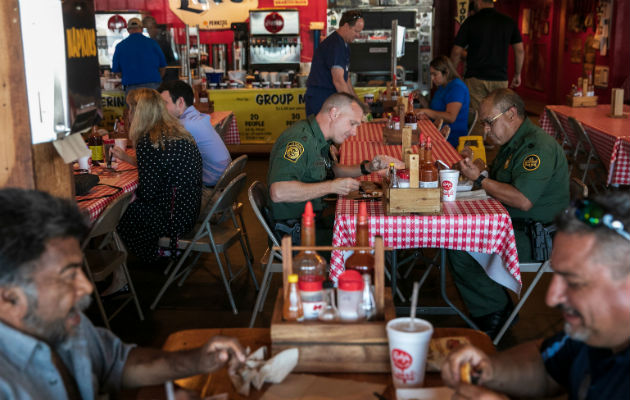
[{"x": 465, "y": 373}]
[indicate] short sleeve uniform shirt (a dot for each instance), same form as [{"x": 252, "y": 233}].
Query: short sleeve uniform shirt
[
  {"x": 534, "y": 163},
  {"x": 300, "y": 154}
]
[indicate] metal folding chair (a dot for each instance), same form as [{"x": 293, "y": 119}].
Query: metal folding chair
[
  {"x": 271, "y": 261},
  {"x": 104, "y": 252},
  {"x": 214, "y": 238},
  {"x": 593, "y": 161},
  {"x": 471, "y": 124}
]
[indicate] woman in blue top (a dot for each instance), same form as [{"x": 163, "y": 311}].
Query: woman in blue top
[{"x": 450, "y": 101}]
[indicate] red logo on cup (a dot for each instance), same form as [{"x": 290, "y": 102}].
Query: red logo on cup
[
  {"x": 274, "y": 22},
  {"x": 447, "y": 185},
  {"x": 401, "y": 359},
  {"x": 116, "y": 23}
]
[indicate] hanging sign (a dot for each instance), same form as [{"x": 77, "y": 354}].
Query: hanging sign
[
  {"x": 217, "y": 14},
  {"x": 462, "y": 11},
  {"x": 116, "y": 23},
  {"x": 290, "y": 3}
]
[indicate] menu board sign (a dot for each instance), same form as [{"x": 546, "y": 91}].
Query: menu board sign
[{"x": 212, "y": 14}]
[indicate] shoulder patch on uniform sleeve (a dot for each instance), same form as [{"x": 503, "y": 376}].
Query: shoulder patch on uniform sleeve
[
  {"x": 531, "y": 162},
  {"x": 293, "y": 151}
]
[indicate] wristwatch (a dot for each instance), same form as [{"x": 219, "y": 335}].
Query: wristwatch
[
  {"x": 480, "y": 179},
  {"x": 364, "y": 170}
]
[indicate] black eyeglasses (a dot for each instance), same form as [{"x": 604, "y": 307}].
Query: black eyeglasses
[{"x": 593, "y": 214}]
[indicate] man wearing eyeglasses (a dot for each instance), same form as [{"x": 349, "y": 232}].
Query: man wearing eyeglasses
[
  {"x": 591, "y": 287},
  {"x": 331, "y": 62},
  {"x": 530, "y": 178}
]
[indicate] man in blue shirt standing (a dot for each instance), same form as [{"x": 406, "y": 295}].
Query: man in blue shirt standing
[
  {"x": 591, "y": 286},
  {"x": 139, "y": 59},
  {"x": 331, "y": 61}
]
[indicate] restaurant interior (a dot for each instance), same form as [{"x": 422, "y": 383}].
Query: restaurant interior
[{"x": 253, "y": 95}]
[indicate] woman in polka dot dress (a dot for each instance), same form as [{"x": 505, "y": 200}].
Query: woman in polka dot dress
[{"x": 169, "y": 171}]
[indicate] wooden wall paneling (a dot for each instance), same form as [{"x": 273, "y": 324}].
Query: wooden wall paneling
[
  {"x": 16, "y": 167},
  {"x": 560, "y": 29}
]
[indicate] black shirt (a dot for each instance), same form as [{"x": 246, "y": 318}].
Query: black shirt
[{"x": 487, "y": 36}]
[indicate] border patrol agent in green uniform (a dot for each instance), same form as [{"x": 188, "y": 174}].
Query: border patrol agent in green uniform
[
  {"x": 301, "y": 169},
  {"x": 530, "y": 176}
]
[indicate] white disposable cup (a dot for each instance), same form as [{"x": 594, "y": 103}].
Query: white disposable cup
[
  {"x": 408, "y": 350},
  {"x": 449, "y": 179},
  {"x": 84, "y": 163}
]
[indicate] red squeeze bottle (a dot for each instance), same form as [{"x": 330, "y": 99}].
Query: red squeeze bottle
[
  {"x": 309, "y": 265},
  {"x": 362, "y": 261}
]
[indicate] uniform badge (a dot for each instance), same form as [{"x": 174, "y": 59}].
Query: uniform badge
[
  {"x": 531, "y": 162},
  {"x": 294, "y": 151}
]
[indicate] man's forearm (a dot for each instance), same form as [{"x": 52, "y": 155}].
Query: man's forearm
[
  {"x": 521, "y": 372},
  {"x": 519, "y": 56},
  {"x": 296, "y": 191},
  {"x": 347, "y": 171},
  {"x": 147, "y": 367},
  {"x": 506, "y": 194}
]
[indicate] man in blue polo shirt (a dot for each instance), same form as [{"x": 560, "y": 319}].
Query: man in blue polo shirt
[
  {"x": 331, "y": 61},
  {"x": 591, "y": 286},
  {"x": 139, "y": 59}
]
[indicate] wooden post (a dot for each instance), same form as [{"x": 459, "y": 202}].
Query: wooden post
[
  {"x": 406, "y": 144},
  {"x": 414, "y": 170},
  {"x": 379, "y": 274},
  {"x": 287, "y": 263}
]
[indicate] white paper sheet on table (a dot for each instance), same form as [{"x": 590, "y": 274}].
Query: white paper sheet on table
[
  {"x": 495, "y": 268},
  {"x": 435, "y": 393}
]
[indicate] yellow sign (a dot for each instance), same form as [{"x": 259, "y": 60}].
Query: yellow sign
[
  {"x": 217, "y": 14},
  {"x": 462, "y": 11},
  {"x": 81, "y": 42},
  {"x": 263, "y": 114},
  {"x": 113, "y": 105},
  {"x": 290, "y": 3}
]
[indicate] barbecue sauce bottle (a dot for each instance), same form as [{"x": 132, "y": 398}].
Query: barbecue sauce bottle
[
  {"x": 362, "y": 261},
  {"x": 309, "y": 265},
  {"x": 292, "y": 310},
  {"x": 428, "y": 172},
  {"x": 410, "y": 118}
]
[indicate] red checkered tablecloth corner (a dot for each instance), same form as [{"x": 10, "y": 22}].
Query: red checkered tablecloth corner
[
  {"x": 612, "y": 147},
  {"x": 127, "y": 179},
  {"x": 482, "y": 226},
  {"x": 232, "y": 136}
]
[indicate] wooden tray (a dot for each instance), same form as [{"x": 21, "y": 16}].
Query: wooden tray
[
  {"x": 582, "y": 101},
  {"x": 394, "y": 136},
  {"x": 336, "y": 346},
  {"x": 397, "y": 201}
]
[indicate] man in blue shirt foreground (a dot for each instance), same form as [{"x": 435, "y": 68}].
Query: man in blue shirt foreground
[
  {"x": 48, "y": 348},
  {"x": 591, "y": 286}
]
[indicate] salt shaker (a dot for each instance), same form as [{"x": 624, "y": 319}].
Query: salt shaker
[{"x": 367, "y": 306}]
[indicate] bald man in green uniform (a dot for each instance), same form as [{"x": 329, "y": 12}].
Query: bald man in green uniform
[
  {"x": 530, "y": 177},
  {"x": 302, "y": 169}
]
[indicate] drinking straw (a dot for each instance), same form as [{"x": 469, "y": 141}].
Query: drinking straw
[
  {"x": 414, "y": 303},
  {"x": 444, "y": 164},
  {"x": 170, "y": 391}
]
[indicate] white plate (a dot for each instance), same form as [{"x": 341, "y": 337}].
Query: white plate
[
  {"x": 465, "y": 187},
  {"x": 434, "y": 393}
]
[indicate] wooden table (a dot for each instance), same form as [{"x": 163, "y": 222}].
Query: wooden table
[
  {"x": 219, "y": 382},
  {"x": 610, "y": 136}
]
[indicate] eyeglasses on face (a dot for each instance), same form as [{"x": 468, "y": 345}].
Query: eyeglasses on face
[
  {"x": 594, "y": 215},
  {"x": 488, "y": 122}
]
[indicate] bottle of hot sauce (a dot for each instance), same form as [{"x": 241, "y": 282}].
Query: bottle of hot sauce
[
  {"x": 309, "y": 265},
  {"x": 421, "y": 148},
  {"x": 362, "y": 261},
  {"x": 428, "y": 171},
  {"x": 410, "y": 117}
]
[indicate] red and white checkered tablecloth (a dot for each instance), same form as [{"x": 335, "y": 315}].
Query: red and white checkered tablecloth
[
  {"x": 610, "y": 136},
  {"x": 354, "y": 151},
  {"x": 127, "y": 179},
  {"x": 482, "y": 226},
  {"x": 232, "y": 136},
  {"x": 373, "y": 131}
]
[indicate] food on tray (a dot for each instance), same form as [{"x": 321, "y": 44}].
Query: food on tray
[{"x": 440, "y": 348}]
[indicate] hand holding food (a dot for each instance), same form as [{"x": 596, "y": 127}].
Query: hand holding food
[{"x": 454, "y": 371}]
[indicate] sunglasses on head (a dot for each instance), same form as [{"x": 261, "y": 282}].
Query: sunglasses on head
[
  {"x": 593, "y": 214},
  {"x": 353, "y": 16}
]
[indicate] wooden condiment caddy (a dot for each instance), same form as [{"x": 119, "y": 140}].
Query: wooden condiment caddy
[
  {"x": 582, "y": 101},
  {"x": 399, "y": 201},
  {"x": 336, "y": 346}
]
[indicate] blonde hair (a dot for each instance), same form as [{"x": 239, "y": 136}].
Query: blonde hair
[
  {"x": 150, "y": 117},
  {"x": 445, "y": 66}
]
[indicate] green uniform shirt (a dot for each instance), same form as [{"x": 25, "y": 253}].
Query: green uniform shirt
[
  {"x": 534, "y": 163},
  {"x": 300, "y": 154}
]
